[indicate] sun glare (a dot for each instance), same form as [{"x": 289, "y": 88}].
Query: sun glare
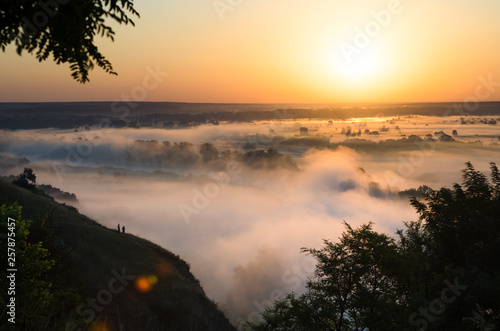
[{"x": 360, "y": 69}]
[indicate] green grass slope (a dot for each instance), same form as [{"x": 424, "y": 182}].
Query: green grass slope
[{"x": 124, "y": 282}]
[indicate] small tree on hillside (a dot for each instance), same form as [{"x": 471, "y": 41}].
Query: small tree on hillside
[{"x": 26, "y": 180}]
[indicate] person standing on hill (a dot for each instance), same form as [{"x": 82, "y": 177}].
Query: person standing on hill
[
  {"x": 123, "y": 229},
  {"x": 118, "y": 227}
]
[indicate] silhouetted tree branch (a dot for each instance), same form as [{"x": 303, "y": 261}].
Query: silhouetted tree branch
[{"x": 64, "y": 29}]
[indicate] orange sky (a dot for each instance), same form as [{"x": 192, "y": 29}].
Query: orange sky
[{"x": 289, "y": 51}]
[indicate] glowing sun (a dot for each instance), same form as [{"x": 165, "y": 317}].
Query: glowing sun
[{"x": 360, "y": 69}]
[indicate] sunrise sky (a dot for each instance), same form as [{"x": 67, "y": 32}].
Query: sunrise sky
[{"x": 293, "y": 51}]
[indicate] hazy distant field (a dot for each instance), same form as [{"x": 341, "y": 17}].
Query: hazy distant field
[
  {"x": 232, "y": 194},
  {"x": 68, "y": 115}
]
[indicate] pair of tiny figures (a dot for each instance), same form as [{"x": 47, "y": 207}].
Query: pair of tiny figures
[{"x": 123, "y": 228}]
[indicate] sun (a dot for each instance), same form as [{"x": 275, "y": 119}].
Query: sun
[{"x": 362, "y": 68}]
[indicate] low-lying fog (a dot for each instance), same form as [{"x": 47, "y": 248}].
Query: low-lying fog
[{"x": 240, "y": 217}]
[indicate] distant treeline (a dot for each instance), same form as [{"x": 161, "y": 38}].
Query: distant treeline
[
  {"x": 160, "y": 155},
  {"x": 15, "y": 116}
]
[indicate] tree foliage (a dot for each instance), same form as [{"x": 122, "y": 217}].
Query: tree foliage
[
  {"x": 64, "y": 29},
  {"x": 442, "y": 272},
  {"x": 27, "y": 179},
  {"x": 209, "y": 152},
  {"x": 353, "y": 287},
  {"x": 45, "y": 293},
  {"x": 33, "y": 293}
]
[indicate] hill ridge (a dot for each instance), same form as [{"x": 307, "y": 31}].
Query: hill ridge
[{"x": 125, "y": 282}]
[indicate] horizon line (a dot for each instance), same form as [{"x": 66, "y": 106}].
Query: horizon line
[{"x": 255, "y": 103}]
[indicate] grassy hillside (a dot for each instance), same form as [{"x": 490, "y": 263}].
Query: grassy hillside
[{"x": 121, "y": 282}]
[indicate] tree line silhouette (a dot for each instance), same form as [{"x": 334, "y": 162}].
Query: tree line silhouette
[{"x": 440, "y": 272}]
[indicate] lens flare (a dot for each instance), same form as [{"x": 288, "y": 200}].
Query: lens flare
[
  {"x": 99, "y": 326},
  {"x": 144, "y": 284}
]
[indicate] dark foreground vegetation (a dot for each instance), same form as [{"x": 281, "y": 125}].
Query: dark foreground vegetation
[
  {"x": 442, "y": 272},
  {"x": 74, "y": 274}
]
